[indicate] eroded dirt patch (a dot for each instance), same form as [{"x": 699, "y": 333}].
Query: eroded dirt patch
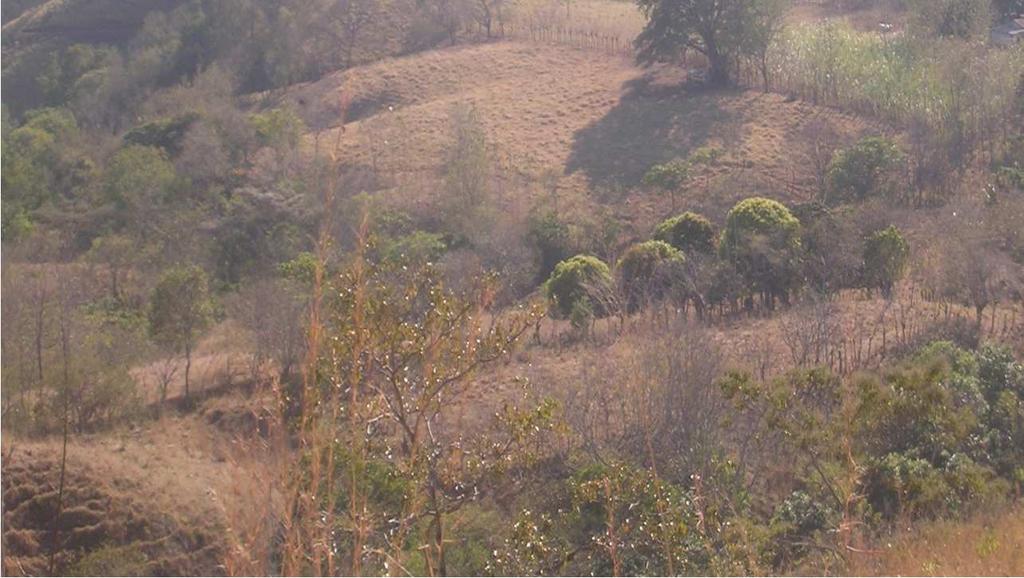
[{"x": 101, "y": 528}]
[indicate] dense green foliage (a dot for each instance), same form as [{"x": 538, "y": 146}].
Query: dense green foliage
[
  {"x": 724, "y": 31},
  {"x": 138, "y": 181},
  {"x": 278, "y": 128},
  {"x": 166, "y": 134},
  {"x": 848, "y": 457},
  {"x": 762, "y": 239},
  {"x": 928, "y": 431},
  {"x": 579, "y": 283},
  {"x": 39, "y": 166},
  {"x": 688, "y": 232},
  {"x": 863, "y": 171},
  {"x": 885, "y": 259},
  {"x": 646, "y": 272}
]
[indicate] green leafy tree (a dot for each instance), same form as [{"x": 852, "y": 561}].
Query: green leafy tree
[
  {"x": 616, "y": 519},
  {"x": 922, "y": 438},
  {"x": 667, "y": 178},
  {"x": 418, "y": 247},
  {"x": 724, "y": 31},
  {"x": 117, "y": 253},
  {"x": 550, "y": 237},
  {"x": 864, "y": 170},
  {"x": 646, "y": 272},
  {"x": 582, "y": 281},
  {"x": 762, "y": 240},
  {"x": 301, "y": 269},
  {"x": 138, "y": 181},
  {"x": 688, "y": 232},
  {"x": 885, "y": 259},
  {"x": 1001, "y": 382},
  {"x": 180, "y": 310},
  {"x": 40, "y": 165},
  {"x": 378, "y": 481},
  {"x": 916, "y": 425},
  {"x": 278, "y": 128},
  {"x": 58, "y": 80}
]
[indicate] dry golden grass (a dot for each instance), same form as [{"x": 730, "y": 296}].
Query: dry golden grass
[
  {"x": 597, "y": 121},
  {"x": 986, "y": 545},
  {"x": 202, "y": 485},
  {"x": 220, "y": 359},
  {"x": 167, "y": 489}
]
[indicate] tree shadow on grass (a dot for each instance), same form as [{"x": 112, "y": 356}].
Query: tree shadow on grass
[{"x": 653, "y": 123}]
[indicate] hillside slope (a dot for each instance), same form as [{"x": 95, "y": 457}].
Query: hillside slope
[
  {"x": 599, "y": 121},
  {"x": 163, "y": 498},
  {"x": 72, "y": 21}
]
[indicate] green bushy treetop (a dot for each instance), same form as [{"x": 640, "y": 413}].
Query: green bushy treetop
[
  {"x": 278, "y": 128},
  {"x": 885, "y": 259},
  {"x": 581, "y": 281},
  {"x": 166, "y": 134},
  {"x": 40, "y": 165},
  {"x": 645, "y": 271},
  {"x": 762, "y": 240},
  {"x": 180, "y": 310},
  {"x": 668, "y": 177},
  {"x": 688, "y": 232},
  {"x": 138, "y": 175},
  {"x": 863, "y": 170}
]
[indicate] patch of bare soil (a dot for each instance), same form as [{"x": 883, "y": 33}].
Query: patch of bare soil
[{"x": 175, "y": 497}]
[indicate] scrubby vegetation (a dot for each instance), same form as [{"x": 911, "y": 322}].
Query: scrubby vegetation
[{"x": 541, "y": 287}]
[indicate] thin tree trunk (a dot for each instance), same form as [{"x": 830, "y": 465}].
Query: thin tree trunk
[
  {"x": 55, "y": 533},
  {"x": 188, "y": 366}
]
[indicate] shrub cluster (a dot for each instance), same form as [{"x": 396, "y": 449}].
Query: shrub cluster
[{"x": 760, "y": 252}]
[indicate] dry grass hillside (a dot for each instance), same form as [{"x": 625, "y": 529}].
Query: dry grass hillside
[
  {"x": 164, "y": 497},
  {"x": 598, "y": 121},
  {"x": 178, "y": 488},
  {"x": 989, "y": 544}
]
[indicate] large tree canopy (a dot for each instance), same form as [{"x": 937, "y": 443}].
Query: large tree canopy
[{"x": 721, "y": 30}]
